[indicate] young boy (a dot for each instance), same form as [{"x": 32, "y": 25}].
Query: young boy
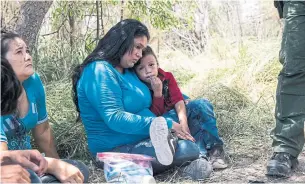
[
  {"x": 166, "y": 96},
  {"x": 166, "y": 93}
]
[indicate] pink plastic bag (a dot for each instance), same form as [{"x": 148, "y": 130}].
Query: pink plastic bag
[{"x": 126, "y": 168}]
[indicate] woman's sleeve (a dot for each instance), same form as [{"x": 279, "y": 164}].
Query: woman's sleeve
[
  {"x": 104, "y": 92},
  {"x": 41, "y": 100}
]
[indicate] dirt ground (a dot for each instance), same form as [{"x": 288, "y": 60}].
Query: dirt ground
[
  {"x": 251, "y": 170},
  {"x": 245, "y": 168}
]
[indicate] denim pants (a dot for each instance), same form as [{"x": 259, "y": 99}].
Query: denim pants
[
  {"x": 202, "y": 124},
  {"x": 49, "y": 178}
]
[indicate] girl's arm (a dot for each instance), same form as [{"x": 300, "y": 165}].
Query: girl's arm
[
  {"x": 44, "y": 139},
  {"x": 42, "y": 132}
]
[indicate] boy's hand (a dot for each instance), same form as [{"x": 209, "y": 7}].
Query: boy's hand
[
  {"x": 185, "y": 127},
  {"x": 156, "y": 86}
]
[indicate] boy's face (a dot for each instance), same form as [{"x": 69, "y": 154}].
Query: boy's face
[{"x": 147, "y": 68}]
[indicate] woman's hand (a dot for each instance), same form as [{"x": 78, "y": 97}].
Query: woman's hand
[
  {"x": 14, "y": 174},
  {"x": 64, "y": 172},
  {"x": 182, "y": 133}
]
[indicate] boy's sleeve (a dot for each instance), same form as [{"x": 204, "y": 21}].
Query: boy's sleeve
[
  {"x": 174, "y": 91},
  {"x": 104, "y": 93},
  {"x": 41, "y": 106},
  {"x": 157, "y": 106}
]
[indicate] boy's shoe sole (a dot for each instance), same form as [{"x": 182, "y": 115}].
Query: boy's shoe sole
[{"x": 159, "y": 137}]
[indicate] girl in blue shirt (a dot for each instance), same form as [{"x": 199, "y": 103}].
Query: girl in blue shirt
[
  {"x": 31, "y": 115},
  {"x": 113, "y": 103}
]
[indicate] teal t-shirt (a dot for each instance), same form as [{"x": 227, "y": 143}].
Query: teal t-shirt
[
  {"x": 14, "y": 130},
  {"x": 114, "y": 107}
]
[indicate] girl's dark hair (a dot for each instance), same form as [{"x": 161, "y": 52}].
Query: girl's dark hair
[
  {"x": 111, "y": 48},
  {"x": 147, "y": 51},
  {"x": 6, "y": 38},
  {"x": 10, "y": 88}
]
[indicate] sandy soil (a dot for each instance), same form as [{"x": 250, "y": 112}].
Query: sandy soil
[{"x": 244, "y": 169}]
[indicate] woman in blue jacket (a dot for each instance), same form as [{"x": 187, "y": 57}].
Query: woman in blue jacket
[{"x": 114, "y": 104}]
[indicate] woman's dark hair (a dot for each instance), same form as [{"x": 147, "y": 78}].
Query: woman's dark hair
[
  {"x": 6, "y": 38},
  {"x": 10, "y": 88},
  {"x": 111, "y": 48},
  {"x": 147, "y": 51}
]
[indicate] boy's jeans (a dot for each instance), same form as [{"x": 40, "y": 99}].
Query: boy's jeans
[{"x": 202, "y": 124}]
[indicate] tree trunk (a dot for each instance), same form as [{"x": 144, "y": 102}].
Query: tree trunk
[
  {"x": 72, "y": 33},
  {"x": 122, "y": 9},
  {"x": 239, "y": 23},
  {"x": 32, "y": 15},
  {"x": 102, "y": 21},
  {"x": 97, "y": 22}
]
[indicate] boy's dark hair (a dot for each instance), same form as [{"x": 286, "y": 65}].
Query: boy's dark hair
[
  {"x": 10, "y": 88},
  {"x": 111, "y": 48},
  {"x": 147, "y": 51}
]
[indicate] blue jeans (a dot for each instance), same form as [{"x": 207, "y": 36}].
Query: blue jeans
[
  {"x": 49, "y": 178},
  {"x": 202, "y": 124}
]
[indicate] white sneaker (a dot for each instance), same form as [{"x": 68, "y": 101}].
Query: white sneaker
[{"x": 163, "y": 140}]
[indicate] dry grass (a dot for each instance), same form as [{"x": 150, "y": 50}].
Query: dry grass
[{"x": 239, "y": 80}]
